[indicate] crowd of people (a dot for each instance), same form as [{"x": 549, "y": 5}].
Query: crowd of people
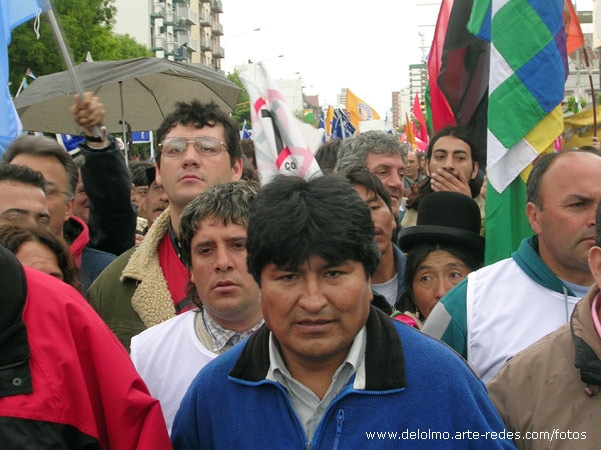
[{"x": 178, "y": 304}]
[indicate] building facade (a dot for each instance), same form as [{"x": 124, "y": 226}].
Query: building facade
[
  {"x": 179, "y": 30},
  {"x": 401, "y": 105}
]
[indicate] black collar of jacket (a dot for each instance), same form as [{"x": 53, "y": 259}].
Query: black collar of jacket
[
  {"x": 384, "y": 359},
  {"x": 380, "y": 302},
  {"x": 15, "y": 375}
]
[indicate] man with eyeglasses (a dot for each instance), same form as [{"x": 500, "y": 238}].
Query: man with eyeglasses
[
  {"x": 46, "y": 156},
  {"x": 199, "y": 148}
]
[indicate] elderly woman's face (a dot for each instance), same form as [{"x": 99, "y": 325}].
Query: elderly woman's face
[
  {"x": 435, "y": 276},
  {"x": 39, "y": 257}
]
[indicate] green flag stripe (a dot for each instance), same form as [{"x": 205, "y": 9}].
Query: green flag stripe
[
  {"x": 478, "y": 15},
  {"x": 516, "y": 45},
  {"x": 506, "y": 221},
  {"x": 508, "y": 127}
]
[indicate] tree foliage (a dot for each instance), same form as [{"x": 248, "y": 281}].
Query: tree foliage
[
  {"x": 86, "y": 26},
  {"x": 571, "y": 105},
  {"x": 242, "y": 110}
]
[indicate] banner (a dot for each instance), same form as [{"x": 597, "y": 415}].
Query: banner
[
  {"x": 138, "y": 137},
  {"x": 578, "y": 129},
  {"x": 280, "y": 146}
]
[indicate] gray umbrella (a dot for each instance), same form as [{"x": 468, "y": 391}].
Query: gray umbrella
[{"x": 141, "y": 91}]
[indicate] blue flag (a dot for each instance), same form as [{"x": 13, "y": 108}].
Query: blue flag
[
  {"x": 69, "y": 141},
  {"x": 341, "y": 126},
  {"x": 322, "y": 126},
  {"x": 245, "y": 133},
  {"x": 12, "y": 14}
]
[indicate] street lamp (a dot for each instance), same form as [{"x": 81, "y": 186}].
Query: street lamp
[{"x": 241, "y": 33}]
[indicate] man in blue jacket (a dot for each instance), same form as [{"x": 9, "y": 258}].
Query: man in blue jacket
[{"x": 328, "y": 370}]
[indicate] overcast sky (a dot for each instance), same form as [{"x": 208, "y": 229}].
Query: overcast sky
[
  {"x": 365, "y": 46},
  {"x": 333, "y": 44}
]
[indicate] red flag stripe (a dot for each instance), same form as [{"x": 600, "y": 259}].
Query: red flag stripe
[
  {"x": 285, "y": 153},
  {"x": 259, "y": 104}
]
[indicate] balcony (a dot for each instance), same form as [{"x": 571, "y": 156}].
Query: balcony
[
  {"x": 203, "y": 20},
  {"x": 158, "y": 10},
  {"x": 216, "y": 6},
  {"x": 205, "y": 44},
  {"x": 182, "y": 39},
  {"x": 218, "y": 52},
  {"x": 187, "y": 41},
  {"x": 217, "y": 29},
  {"x": 170, "y": 48},
  {"x": 184, "y": 15},
  {"x": 158, "y": 42},
  {"x": 169, "y": 18}
]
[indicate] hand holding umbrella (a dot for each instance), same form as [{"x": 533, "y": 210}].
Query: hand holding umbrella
[{"x": 88, "y": 112}]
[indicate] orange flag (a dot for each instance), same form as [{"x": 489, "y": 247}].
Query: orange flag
[
  {"x": 409, "y": 132},
  {"x": 358, "y": 109},
  {"x": 328, "y": 124},
  {"x": 574, "y": 37}
]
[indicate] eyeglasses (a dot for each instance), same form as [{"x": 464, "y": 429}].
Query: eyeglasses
[
  {"x": 51, "y": 190},
  {"x": 204, "y": 146}
]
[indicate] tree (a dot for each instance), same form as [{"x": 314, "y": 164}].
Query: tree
[
  {"x": 242, "y": 110},
  {"x": 86, "y": 26}
]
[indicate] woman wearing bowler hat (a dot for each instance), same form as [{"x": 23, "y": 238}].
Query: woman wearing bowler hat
[{"x": 441, "y": 250}]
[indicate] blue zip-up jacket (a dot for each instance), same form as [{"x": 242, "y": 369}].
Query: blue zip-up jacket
[{"x": 413, "y": 384}]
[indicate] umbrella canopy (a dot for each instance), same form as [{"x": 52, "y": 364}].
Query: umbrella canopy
[{"x": 142, "y": 90}]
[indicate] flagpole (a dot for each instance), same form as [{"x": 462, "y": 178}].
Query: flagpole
[
  {"x": 590, "y": 79},
  {"x": 23, "y": 81},
  {"x": 65, "y": 54}
]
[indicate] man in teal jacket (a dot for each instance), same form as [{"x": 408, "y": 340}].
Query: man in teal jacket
[
  {"x": 328, "y": 370},
  {"x": 501, "y": 309}
]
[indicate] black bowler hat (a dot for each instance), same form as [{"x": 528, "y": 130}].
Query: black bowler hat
[{"x": 446, "y": 218}]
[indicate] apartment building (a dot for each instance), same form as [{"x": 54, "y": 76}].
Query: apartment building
[{"x": 179, "y": 30}]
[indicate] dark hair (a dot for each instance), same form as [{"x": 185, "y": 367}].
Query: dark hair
[
  {"x": 461, "y": 133},
  {"x": 13, "y": 236},
  {"x": 363, "y": 177},
  {"x": 228, "y": 202},
  {"x": 293, "y": 219},
  {"x": 424, "y": 187},
  {"x": 138, "y": 172},
  {"x": 248, "y": 148},
  {"x": 42, "y": 146},
  {"x": 21, "y": 174},
  {"x": 327, "y": 155},
  {"x": 202, "y": 115},
  {"x": 540, "y": 167},
  {"x": 418, "y": 254}
]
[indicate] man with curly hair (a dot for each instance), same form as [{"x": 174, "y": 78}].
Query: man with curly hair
[{"x": 199, "y": 148}]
